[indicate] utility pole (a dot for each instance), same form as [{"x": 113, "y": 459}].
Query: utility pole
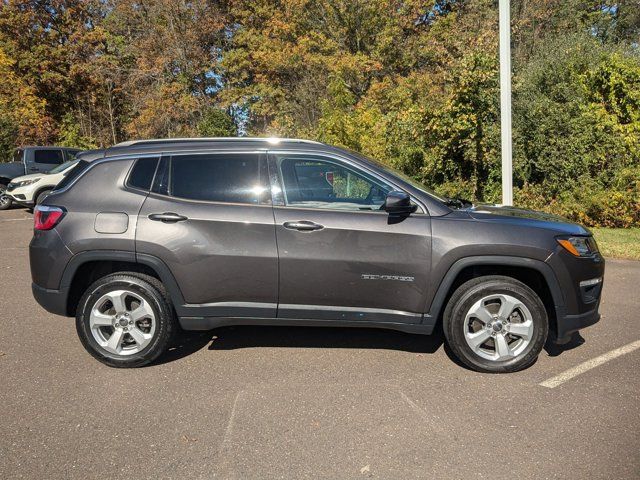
[{"x": 505, "y": 102}]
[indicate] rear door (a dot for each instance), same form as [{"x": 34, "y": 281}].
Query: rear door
[
  {"x": 341, "y": 257},
  {"x": 209, "y": 218},
  {"x": 45, "y": 159}
]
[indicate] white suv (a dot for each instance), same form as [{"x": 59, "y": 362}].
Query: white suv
[{"x": 30, "y": 190}]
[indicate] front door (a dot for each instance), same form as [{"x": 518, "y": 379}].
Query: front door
[
  {"x": 341, "y": 257},
  {"x": 210, "y": 220}
]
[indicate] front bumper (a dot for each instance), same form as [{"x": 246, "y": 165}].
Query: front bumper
[
  {"x": 22, "y": 195},
  {"x": 581, "y": 281},
  {"x": 20, "y": 200},
  {"x": 569, "y": 324}
]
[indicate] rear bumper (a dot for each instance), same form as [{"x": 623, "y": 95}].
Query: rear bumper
[
  {"x": 53, "y": 301},
  {"x": 569, "y": 324}
]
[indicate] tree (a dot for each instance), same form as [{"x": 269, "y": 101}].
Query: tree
[
  {"x": 217, "y": 123},
  {"x": 22, "y": 113}
]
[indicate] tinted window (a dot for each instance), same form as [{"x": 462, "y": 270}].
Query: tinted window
[
  {"x": 72, "y": 174},
  {"x": 161, "y": 182},
  {"x": 233, "y": 178},
  {"x": 48, "y": 156},
  {"x": 318, "y": 183},
  {"x": 71, "y": 154},
  {"x": 142, "y": 173}
]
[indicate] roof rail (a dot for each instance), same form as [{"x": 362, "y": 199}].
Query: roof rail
[{"x": 271, "y": 140}]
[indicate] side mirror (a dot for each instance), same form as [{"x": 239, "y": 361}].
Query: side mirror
[{"x": 398, "y": 203}]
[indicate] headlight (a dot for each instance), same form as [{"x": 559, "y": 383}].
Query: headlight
[
  {"x": 24, "y": 183},
  {"x": 579, "y": 246}
]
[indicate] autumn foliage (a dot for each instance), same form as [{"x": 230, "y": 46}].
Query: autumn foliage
[{"x": 412, "y": 83}]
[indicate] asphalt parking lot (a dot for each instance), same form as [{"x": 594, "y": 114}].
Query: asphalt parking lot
[{"x": 250, "y": 402}]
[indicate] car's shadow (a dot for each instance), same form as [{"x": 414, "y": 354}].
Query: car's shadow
[
  {"x": 553, "y": 349},
  {"x": 243, "y": 336},
  {"x": 237, "y": 337}
]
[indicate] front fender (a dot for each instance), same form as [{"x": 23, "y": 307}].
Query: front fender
[{"x": 438, "y": 301}]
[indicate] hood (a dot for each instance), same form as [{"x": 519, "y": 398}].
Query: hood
[
  {"x": 530, "y": 218},
  {"x": 28, "y": 177}
]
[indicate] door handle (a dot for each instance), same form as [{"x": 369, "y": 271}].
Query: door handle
[
  {"x": 33, "y": 169},
  {"x": 167, "y": 217},
  {"x": 303, "y": 226}
]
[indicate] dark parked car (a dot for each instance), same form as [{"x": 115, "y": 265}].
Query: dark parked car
[
  {"x": 28, "y": 160},
  {"x": 211, "y": 232}
]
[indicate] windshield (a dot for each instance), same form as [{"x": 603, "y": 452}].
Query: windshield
[
  {"x": 64, "y": 166},
  {"x": 397, "y": 173}
]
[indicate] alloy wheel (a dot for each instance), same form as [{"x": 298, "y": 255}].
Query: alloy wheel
[
  {"x": 4, "y": 198},
  {"x": 122, "y": 322},
  {"x": 498, "y": 327}
]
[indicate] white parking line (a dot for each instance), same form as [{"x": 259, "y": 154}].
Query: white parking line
[
  {"x": 15, "y": 219},
  {"x": 553, "y": 382}
]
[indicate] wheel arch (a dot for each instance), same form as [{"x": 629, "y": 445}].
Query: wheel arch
[
  {"x": 534, "y": 273},
  {"x": 86, "y": 267},
  {"x": 37, "y": 193}
]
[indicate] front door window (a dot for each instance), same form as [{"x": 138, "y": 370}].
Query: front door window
[{"x": 315, "y": 182}]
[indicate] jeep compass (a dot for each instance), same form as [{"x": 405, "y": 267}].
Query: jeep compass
[{"x": 200, "y": 233}]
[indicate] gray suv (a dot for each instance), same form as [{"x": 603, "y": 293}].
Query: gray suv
[{"x": 200, "y": 233}]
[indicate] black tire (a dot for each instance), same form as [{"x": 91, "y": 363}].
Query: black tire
[
  {"x": 462, "y": 301},
  {"x": 5, "y": 201},
  {"x": 152, "y": 291},
  {"x": 41, "y": 196}
]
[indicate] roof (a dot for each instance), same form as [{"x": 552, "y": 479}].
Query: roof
[{"x": 40, "y": 147}]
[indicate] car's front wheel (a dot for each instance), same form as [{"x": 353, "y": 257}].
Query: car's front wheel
[
  {"x": 125, "y": 319},
  {"x": 5, "y": 200},
  {"x": 42, "y": 195},
  {"x": 495, "y": 324}
]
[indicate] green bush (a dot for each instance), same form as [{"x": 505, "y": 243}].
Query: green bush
[{"x": 589, "y": 202}]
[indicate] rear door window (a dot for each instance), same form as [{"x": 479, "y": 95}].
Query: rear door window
[
  {"x": 221, "y": 177},
  {"x": 142, "y": 173},
  {"x": 48, "y": 157}
]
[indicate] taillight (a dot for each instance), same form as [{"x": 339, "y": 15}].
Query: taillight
[{"x": 46, "y": 217}]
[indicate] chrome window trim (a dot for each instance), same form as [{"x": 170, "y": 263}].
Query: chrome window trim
[
  {"x": 135, "y": 156},
  {"x": 99, "y": 161},
  {"x": 263, "y": 150}
]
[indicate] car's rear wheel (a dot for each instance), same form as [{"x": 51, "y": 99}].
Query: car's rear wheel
[
  {"x": 5, "y": 200},
  {"x": 125, "y": 319},
  {"x": 495, "y": 324}
]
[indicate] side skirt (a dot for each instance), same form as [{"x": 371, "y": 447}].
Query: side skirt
[{"x": 209, "y": 323}]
